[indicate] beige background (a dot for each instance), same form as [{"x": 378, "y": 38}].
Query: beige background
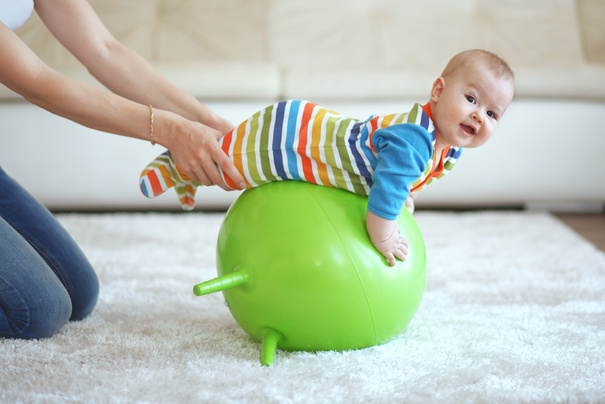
[
  {"x": 357, "y": 57},
  {"x": 361, "y": 49}
]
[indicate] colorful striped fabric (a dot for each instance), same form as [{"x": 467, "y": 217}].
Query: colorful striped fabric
[
  {"x": 162, "y": 174},
  {"x": 299, "y": 140}
]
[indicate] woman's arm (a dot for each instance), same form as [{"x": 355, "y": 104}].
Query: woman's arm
[
  {"x": 76, "y": 25},
  {"x": 23, "y": 72},
  {"x": 181, "y": 124}
]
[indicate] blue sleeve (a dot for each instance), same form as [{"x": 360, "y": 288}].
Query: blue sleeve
[{"x": 403, "y": 150}]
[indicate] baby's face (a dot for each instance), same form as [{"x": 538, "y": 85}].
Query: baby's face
[{"x": 469, "y": 106}]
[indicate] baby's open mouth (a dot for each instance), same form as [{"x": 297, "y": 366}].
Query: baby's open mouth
[{"x": 467, "y": 129}]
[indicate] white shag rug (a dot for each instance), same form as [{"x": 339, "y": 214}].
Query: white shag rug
[{"x": 514, "y": 311}]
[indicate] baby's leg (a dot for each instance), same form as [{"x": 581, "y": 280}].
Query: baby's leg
[{"x": 162, "y": 174}]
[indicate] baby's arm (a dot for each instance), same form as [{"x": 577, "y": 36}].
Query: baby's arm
[
  {"x": 403, "y": 152},
  {"x": 384, "y": 234},
  {"x": 410, "y": 203}
]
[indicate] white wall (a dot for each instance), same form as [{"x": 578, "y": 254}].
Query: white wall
[{"x": 544, "y": 151}]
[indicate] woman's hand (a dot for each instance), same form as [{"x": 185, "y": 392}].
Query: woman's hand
[
  {"x": 195, "y": 149},
  {"x": 385, "y": 236}
]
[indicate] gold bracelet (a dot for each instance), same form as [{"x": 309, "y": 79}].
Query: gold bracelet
[{"x": 151, "y": 117}]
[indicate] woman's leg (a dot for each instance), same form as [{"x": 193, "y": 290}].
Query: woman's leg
[
  {"x": 33, "y": 303},
  {"x": 38, "y": 227}
]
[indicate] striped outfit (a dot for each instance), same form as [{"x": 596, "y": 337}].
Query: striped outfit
[{"x": 385, "y": 157}]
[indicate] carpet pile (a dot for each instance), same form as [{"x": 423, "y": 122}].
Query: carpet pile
[{"x": 514, "y": 311}]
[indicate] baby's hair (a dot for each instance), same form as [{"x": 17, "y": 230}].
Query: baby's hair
[{"x": 496, "y": 64}]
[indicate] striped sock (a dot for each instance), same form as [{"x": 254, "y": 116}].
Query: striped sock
[{"x": 162, "y": 174}]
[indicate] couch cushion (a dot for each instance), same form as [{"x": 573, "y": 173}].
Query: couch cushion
[
  {"x": 583, "y": 82},
  {"x": 204, "y": 80},
  {"x": 347, "y": 49}
]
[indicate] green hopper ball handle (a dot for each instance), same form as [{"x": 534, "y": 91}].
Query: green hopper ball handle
[
  {"x": 232, "y": 280},
  {"x": 270, "y": 341},
  {"x": 228, "y": 281}
]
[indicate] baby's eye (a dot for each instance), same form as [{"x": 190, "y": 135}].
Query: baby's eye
[
  {"x": 470, "y": 99},
  {"x": 491, "y": 115}
]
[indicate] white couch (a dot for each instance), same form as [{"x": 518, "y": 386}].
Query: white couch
[{"x": 355, "y": 56}]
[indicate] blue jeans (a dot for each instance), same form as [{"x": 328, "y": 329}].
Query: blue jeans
[{"x": 45, "y": 279}]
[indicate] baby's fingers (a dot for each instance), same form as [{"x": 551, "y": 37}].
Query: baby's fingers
[
  {"x": 402, "y": 244},
  {"x": 400, "y": 253},
  {"x": 402, "y": 249}
]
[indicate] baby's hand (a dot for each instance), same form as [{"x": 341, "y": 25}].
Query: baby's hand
[{"x": 393, "y": 246}]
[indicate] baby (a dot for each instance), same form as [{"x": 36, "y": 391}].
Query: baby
[{"x": 387, "y": 157}]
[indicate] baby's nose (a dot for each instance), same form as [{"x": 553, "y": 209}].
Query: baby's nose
[{"x": 478, "y": 116}]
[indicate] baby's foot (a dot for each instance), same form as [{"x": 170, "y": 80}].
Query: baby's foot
[{"x": 162, "y": 174}]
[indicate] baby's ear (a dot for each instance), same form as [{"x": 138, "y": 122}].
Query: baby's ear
[{"x": 437, "y": 89}]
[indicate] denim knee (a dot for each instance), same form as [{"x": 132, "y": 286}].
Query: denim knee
[
  {"x": 37, "y": 311},
  {"x": 48, "y": 318},
  {"x": 33, "y": 302},
  {"x": 85, "y": 300},
  {"x": 37, "y": 236}
]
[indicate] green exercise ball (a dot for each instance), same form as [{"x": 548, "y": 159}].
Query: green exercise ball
[{"x": 299, "y": 273}]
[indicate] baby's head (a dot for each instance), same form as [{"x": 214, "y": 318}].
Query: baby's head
[{"x": 470, "y": 97}]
